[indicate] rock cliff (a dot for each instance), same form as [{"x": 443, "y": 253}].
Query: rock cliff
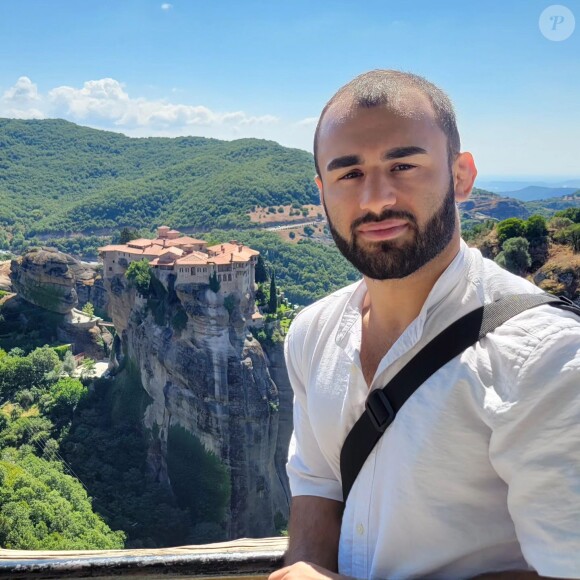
[
  {"x": 49, "y": 281},
  {"x": 205, "y": 372},
  {"x": 56, "y": 281}
]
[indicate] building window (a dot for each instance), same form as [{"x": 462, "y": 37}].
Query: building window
[
  {"x": 110, "y": 268},
  {"x": 229, "y": 277}
]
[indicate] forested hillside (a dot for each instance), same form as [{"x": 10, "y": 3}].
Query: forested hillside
[{"x": 59, "y": 177}]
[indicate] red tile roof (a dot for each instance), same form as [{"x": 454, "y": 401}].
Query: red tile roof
[
  {"x": 121, "y": 248},
  {"x": 140, "y": 243},
  {"x": 184, "y": 241},
  {"x": 194, "y": 258},
  {"x": 229, "y": 248},
  {"x": 222, "y": 259}
]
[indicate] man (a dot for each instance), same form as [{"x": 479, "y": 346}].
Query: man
[{"x": 479, "y": 474}]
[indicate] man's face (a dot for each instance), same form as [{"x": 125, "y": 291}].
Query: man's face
[{"x": 387, "y": 188}]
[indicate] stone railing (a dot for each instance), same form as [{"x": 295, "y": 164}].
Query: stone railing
[{"x": 240, "y": 559}]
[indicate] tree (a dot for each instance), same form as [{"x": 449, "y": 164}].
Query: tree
[
  {"x": 535, "y": 229},
  {"x": 89, "y": 309},
  {"x": 42, "y": 508},
  {"x": 572, "y": 213},
  {"x": 214, "y": 283},
  {"x": 139, "y": 273},
  {"x": 261, "y": 272},
  {"x": 127, "y": 235},
  {"x": 308, "y": 230},
  {"x": 63, "y": 398},
  {"x": 559, "y": 223},
  {"x": 69, "y": 364},
  {"x": 510, "y": 228},
  {"x": 515, "y": 256},
  {"x": 570, "y": 236},
  {"x": 273, "y": 300}
]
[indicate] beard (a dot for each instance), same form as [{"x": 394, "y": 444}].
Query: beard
[{"x": 391, "y": 259}]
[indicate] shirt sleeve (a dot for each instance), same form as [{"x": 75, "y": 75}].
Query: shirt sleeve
[
  {"x": 535, "y": 448},
  {"x": 308, "y": 470}
]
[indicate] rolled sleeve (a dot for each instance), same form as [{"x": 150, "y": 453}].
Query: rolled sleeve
[
  {"x": 308, "y": 470},
  {"x": 535, "y": 448}
]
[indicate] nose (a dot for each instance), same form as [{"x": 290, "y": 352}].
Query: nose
[{"x": 377, "y": 193}]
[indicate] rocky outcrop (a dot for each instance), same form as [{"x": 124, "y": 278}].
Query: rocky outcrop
[
  {"x": 206, "y": 373},
  {"x": 5, "y": 282},
  {"x": 484, "y": 204},
  {"x": 93, "y": 291},
  {"x": 560, "y": 275},
  {"x": 45, "y": 278},
  {"x": 49, "y": 279},
  {"x": 56, "y": 281}
]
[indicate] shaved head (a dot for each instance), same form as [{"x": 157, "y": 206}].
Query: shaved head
[{"x": 403, "y": 93}]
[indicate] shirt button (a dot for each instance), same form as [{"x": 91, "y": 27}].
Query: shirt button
[{"x": 360, "y": 529}]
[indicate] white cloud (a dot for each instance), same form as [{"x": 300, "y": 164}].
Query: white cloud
[
  {"x": 308, "y": 122},
  {"x": 105, "y": 103},
  {"x": 166, "y": 6},
  {"x": 21, "y": 101},
  {"x": 22, "y": 92}
]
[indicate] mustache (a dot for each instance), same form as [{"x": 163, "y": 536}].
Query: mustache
[{"x": 385, "y": 215}]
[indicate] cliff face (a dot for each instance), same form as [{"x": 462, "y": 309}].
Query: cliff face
[
  {"x": 56, "y": 281},
  {"x": 206, "y": 373},
  {"x": 45, "y": 278}
]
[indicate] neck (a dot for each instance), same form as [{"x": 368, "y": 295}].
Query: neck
[{"x": 394, "y": 304}]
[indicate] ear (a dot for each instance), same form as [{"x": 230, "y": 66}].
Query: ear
[
  {"x": 464, "y": 174},
  {"x": 318, "y": 182}
]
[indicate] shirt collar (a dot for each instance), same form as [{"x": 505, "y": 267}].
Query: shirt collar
[{"x": 455, "y": 277}]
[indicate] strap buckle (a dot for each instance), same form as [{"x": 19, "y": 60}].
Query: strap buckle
[{"x": 379, "y": 410}]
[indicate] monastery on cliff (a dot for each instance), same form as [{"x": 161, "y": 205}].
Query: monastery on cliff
[{"x": 191, "y": 260}]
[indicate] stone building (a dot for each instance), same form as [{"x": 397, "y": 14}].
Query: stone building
[{"x": 191, "y": 260}]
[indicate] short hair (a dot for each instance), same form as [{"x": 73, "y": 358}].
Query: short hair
[{"x": 387, "y": 87}]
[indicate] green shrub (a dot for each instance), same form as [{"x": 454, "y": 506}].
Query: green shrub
[
  {"x": 139, "y": 273},
  {"x": 62, "y": 350},
  {"x": 535, "y": 229},
  {"x": 510, "y": 228},
  {"x": 569, "y": 236},
  {"x": 515, "y": 256}
]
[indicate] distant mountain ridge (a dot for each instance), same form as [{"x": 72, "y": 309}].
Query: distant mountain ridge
[
  {"x": 507, "y": 185},
  {"x": 536, "y": 192}
]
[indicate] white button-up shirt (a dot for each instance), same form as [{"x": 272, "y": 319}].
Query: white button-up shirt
[{"x": 480, "y": 470}]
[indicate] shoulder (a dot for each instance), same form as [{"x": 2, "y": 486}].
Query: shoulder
[{"x": 541, "y": 337}]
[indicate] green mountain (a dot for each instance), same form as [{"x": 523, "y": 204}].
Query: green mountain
[{"x": 58, "y": 177}]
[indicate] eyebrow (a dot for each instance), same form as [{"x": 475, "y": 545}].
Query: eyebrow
[{"x": 395, "y": 153}]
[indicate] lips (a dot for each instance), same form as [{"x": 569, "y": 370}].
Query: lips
[
  {"x": 381, "y": 231},
  {"x": 380, "y": 226}
]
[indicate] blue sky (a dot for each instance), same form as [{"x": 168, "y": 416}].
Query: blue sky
[{"x": 265, "y": 69}]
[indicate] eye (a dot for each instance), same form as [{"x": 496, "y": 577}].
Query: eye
[
  {"x": 403, "y": 167},
  {"x": 352, "y": 174}
]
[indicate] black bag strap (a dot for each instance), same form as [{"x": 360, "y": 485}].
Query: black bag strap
[{"x": 383, "y": 404}]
